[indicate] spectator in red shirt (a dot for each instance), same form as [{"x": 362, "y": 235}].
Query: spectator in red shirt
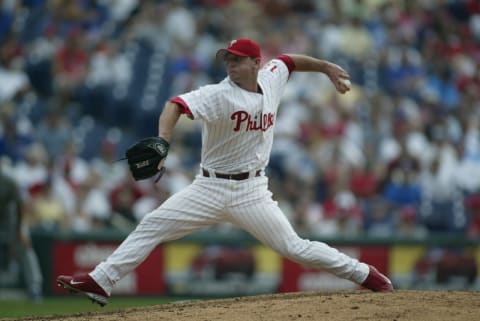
[{"x": 71, "y": 64}]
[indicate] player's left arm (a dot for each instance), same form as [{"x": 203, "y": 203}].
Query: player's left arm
[{"x": 337, "y": 74}]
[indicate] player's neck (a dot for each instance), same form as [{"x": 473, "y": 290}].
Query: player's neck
[{"x": 250, "y": 86}]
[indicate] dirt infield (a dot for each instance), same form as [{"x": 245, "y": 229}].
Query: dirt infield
[{"x": 311, "y": 306}]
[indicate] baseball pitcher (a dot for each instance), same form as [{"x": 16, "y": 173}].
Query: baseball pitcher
[{"x": 237, "y": 115}]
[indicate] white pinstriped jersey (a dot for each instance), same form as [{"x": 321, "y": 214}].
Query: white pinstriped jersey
[{"x": 237, "y": 133}]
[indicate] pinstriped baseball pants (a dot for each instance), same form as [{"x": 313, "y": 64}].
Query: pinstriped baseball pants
[{"x": 247, "y": 204}]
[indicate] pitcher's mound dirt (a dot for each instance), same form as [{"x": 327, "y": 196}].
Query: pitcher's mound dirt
[{"x": 309, "y": 306}]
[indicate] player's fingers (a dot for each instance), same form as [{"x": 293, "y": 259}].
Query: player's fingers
[
  {"x": 160, "y": 164},
  {"x": 342, "y": 87},
  {"x": 342, "y": 71}
]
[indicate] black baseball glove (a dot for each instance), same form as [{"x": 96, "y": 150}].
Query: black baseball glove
[{"x": 144, "y": 156}]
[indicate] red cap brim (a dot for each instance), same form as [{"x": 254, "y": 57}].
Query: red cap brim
[{"x": 222, "y": 52}]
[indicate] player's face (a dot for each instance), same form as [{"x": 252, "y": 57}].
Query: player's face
[{"x": 240, "y": 68}]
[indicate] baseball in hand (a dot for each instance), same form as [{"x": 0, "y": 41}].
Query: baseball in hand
[{"x": 346, "y": 82}]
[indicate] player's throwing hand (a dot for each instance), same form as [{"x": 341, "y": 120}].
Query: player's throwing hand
[{"x": 338, "y": 76}]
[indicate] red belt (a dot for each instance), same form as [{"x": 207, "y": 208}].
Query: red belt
[{"x": 236, "y": 177}]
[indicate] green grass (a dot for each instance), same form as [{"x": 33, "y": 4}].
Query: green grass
[{"x": 10, "y": 309}]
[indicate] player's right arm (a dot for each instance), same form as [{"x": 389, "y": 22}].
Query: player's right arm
[
  {"x": 200, "y": 103},
  {"x": 168, "y": 119},
  {"x": 195, "y": 104},
  {"x": 204, "y": 103}
]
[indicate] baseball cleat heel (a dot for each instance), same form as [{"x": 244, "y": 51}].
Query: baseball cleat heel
[
  {"x": 377, "y": 282},
  {"x": 84, "y": 284},
  {"x": 95, "y": 298}
]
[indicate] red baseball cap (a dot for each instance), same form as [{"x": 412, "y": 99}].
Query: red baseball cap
[{"x": 241, "y": 47}]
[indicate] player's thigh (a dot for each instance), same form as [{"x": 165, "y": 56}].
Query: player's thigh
[
  {"x": 267, "y": 223},
  {"x": 184, "y": 212}
]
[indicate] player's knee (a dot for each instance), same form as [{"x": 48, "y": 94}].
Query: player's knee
[{"x": 295, "y": 248}]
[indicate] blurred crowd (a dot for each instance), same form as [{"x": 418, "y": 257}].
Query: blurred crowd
[{"x": 399, "y": 155}]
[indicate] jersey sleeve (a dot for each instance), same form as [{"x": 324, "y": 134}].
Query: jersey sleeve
[
  {"x": 184, "y": 109},
  {"x": 288, "y": 61},
  {"x": 275, "y": 73},
  {"x": 202, "y": 103}
]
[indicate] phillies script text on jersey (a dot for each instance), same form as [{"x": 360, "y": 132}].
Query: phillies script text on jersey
[{"x": 266, "y": 121}]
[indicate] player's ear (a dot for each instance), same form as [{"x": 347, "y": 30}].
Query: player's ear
[{"x": 257, "y": 62}]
